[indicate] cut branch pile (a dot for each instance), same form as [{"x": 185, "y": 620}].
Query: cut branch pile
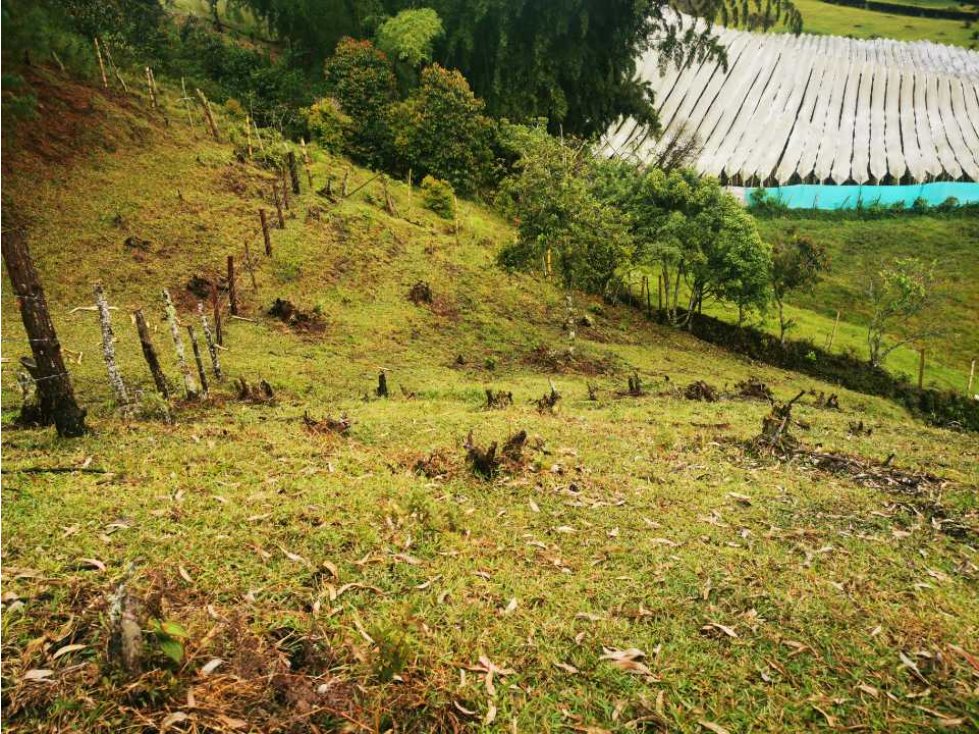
[
  {"x": 328, "y": 425},
  {"x": 700, "y": 390},
  {"x": 498, "y": 399}
]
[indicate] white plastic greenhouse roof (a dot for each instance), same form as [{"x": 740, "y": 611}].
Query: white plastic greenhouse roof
[{"x": 818, "y": 109}]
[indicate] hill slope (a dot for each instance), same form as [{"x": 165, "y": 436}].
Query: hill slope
[{"x": 635, "y": 568}]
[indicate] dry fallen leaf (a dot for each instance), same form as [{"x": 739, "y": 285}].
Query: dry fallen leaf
[
  {"x": 566, "y": 668},
  {"x": 711, "y": 726},
  {"x": 490, "y": 714},
  {"x": 211, "y": 666},
  {"x": 184, "y": 575},
  {"x": 66, "y": 650},
  {"x": 534, "y": 507},
  {"x": 38, "y": 674},
  {"x": 511, "y": 606},
  {"x": 177, "y": 717}
]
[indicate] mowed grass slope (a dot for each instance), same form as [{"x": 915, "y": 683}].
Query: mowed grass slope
[{"x": 763, "y": 596}]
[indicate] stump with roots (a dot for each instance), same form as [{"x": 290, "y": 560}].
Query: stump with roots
[{"x": 775, "y": 437}]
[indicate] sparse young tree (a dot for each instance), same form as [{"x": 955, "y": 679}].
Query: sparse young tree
[
  {"x": 900, "y": 294},
  {"x": 797, "y": 264}
]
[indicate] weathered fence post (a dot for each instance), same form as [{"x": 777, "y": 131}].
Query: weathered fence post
[
  {"x": 248, "y": 134},
  {"x": 832, "y": 336},
  {"x": 343, "y": 185},
  {"x": 149, "y": 353},
  {"x": 55, "y": 394},
  {"x": 306, "y": 162},
  {"x": 98, "y": 54},
  {"x": 216, "y": 308},
  {"x": 278, "y": 204},
  {"x": 293, "y": 171},
  {"x": 178, "y": 344},
  {"x": 265, "y": 232},
  {"x": 232, "y": 295},
  {"x": 109, "y": 348},
  {"x": 972, "y": 375},
  {"x": 285, "y": 189},
  {"x": 198, "y": 360},
  {"x": 209, "y": 340},
  {"x": 149, "y": 86},
  {"x": 921, "y": 368},
  {"x": 208, "y": 115}
]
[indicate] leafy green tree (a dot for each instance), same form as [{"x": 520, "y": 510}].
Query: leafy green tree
[
  {"x": 900, "y": 294},
  {"x": 409, "y": 41},
  {"x": 361, "y": 79},
  {"x": 440, "y": 129},
  {"x": 437, "y": 196},
  {"x": 561, "y": 224},
  {"x": 797, "y": 264},
  {"x": 327, "y": 124},
  {"x": 704, "y": 244}
]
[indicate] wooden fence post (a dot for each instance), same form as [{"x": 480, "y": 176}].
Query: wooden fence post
[
  {"x": 343, "y": 185},
  {"x": 109, "y": 349},
  {"x": 232, "y": 295},
  {"x": 216, "y": 307},
  {"x": 832, "y": 336},
  {"x": 198, "y": 360},
  {"x": 278, "y": 204},
  {"x": 285, "y": 189},
  {"x": 659, "y": 284},
  {"x": 55, "y": 394},
  {"x": 98, "y": 54},
  {"x": 972, "y": 374},
  {"x": 178, "y": 344},
  {"x": 921, "y": 368},
  {"x": 209, "y": 340},
  {"x": 248, "y": 134},
  {"x": 306, "y": 162},
  {"x": 149, "y": 353},
  {"x": 293, "y": 171},
  {"x": 265, "y": 233},
  {"x": 208, "y": 115},
  {"x": 149, "y": 86}
]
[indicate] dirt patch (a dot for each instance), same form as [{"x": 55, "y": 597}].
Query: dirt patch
[
  {"x": 754, "y": 389},
  {"x": 562, "y": 361},
  {"x": 700, "y": 390},
  {"x": 336, "y": 426},
  {"x": 296, "y": 319}
]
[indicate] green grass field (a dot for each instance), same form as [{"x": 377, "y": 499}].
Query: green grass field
[
  {"x": 857, "y": 248},
  {"x": 638, "y": 570},
  {"x": 837, "y": 20}
]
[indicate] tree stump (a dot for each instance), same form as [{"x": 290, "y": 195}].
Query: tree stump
[
  {"x": 109, "y": 348},
  {"x": 190, "y": 388},
  {"x": 197, "y": 358}
]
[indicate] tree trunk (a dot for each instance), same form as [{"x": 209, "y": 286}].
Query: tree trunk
[
  {"x": 54, "y": 390},
  {"x": 149, "y": 352},
  {"x": 265, "y": 233},
  {"x": 232, "y": 295}
]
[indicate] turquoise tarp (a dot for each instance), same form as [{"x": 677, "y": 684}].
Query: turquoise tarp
[{"x": 805, "y": 196}]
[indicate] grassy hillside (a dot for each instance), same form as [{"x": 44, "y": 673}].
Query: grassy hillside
[
  {"x": 637, "y": 569},
  {"x": 858, "y": 247},
  {"x": 838, "y": 20}
]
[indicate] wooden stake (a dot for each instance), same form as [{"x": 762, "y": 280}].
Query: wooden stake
[
  {"x": 649, "y": 298},
  {"x": 388, "y": 204},
  {"x": 408, "y": 181},
  {"x": 197, "y": 358},
  {"x": 659, "y": 284},
  {"x": 972, "y": 374},
  {"x": 149, "y": 86},
  {"x": 185, "y": 101},
  {"x": 115, "y": 69},
  {"x": 232, "y": 296},
  {"x": 98, "y": 54},
  {"x": 109, "y": 349},
  {"x": 250, "y": 266},
  {"x": 343, "y": 186},
  {"x": 832, "y": 336},
  {"x": 212, "y": 348},
  {"x": 216, "y": 307},
  {"x": 278, "y": 205},
  {"x": 54, "y": 390},
  {"x": 190, "y": 388},
  {"x": 248, "y": 134},
  {"x": 258, "y": 134},
  {"x": 921, "y": 368},
  {"x": 285, "y": 189},
  {"x": 293, "y": 171},
  {"x": 306, "y": 162},
  {"x": 149, "y": 353},
  {"x": 265, "y": 233},
  {"x": 208, "y": 115}
]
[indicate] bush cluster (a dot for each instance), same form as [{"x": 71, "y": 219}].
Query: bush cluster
[{"x": 437, "y": 196}]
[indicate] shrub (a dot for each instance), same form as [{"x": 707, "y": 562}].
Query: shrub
[
  {"x": 361, "y": 79},
  {"x": 409, "y": 39},
  {"x": 441, "y": 130},
  {"x": 327, "y": 124},
  {"x": 437, "y": 196}
]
